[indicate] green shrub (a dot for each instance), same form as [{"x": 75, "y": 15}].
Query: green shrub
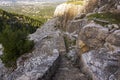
[
  {"x": 14, "y": 30},
  {"x": 15, "y": 44},
  {"x": 68, "y": 43},
  {"x": 18, "y": 21}
]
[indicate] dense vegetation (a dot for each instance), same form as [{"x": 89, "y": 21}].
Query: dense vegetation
[
  {"x": 20, "y": 21},
  {"x": 14, "y": 30}
]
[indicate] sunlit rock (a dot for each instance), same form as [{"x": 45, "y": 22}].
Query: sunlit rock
[
  {"x": 43, "y": 60},
  {"x": 68, "y": 10}
]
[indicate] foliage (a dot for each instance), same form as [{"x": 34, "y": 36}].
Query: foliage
[
  {"x": 112, "y": 18},
  {"x": 14, "y": 30},
  {"x": 15, "y": 44},
  {"x": 66, "y": 44},
  {"x": 20, "y": 21},
  {"x": 69, "y": 43}
]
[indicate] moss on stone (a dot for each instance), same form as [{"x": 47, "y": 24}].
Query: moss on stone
[
  {"x": 68, "y": 43},
  {"x": 113, "y": 18}
]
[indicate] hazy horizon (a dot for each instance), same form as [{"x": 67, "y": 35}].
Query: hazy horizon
[
  {"x": 27, "y": 2},
  {"x": 34, "y": 0}
]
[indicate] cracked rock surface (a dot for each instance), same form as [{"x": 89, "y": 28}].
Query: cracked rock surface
[
  {"x": 33, "y": 66},
  {"x": 101, "y": 59}
]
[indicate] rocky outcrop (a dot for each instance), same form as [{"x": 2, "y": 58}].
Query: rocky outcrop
[
  {"x": 98, "y": 40},
  {"x": 93, "y": 35},
  {"x": 96, "y": 36},
  {"x": 71, "y": 9},
  {"x": 108, "y": 5},
  {"x": 68, "y": 10},
  {"x": 101, "y": 58},
  {"x": 98, "y": 45},
  {"x": 43, "y": 60}
]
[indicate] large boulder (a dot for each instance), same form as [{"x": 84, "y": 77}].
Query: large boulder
[
  {"x": 99, "y": 52},
  {"x": 101, "y": 64},
  {"x": 99, "y": 44},
  {"x": 93, "y": 35}
]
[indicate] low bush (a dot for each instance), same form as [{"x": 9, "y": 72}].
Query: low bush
[{"x": 15, "y": 44}]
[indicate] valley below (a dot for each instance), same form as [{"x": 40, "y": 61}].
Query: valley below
[{"x": 43, "y": 10}]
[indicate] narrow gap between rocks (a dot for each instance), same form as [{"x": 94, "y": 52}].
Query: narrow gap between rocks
[{"x": 68, "y": 67}]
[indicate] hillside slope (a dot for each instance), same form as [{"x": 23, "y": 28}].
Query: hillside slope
[
  {"x": 14, "y": 30},
  {"x": 18, "y": 21},
  {"x": 82, "y": 47}
]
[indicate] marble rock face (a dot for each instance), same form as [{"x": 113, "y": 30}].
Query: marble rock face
[
  {"x": 41, "y": 63},
  {"x": 101, "y": 59},
  {"x": 99, "y": 46}
]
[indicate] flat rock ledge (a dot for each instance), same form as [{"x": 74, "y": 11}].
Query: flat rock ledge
[{"x": 43, "y": 60}]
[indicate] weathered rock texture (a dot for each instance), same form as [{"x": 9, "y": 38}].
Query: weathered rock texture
[
  {"x": 106, "y": 5},
  {"x": 43, "y": 61},
  {"x": 67, "y": 11},
  {"x": 99, "y": 46},
  {"x": 100, "y": 53},
  {"x": 98, "y": 41}
]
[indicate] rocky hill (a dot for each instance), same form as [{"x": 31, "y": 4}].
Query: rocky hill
[
  {"x": 82, "y": 42},
  {"x": 98, "y": 32}
]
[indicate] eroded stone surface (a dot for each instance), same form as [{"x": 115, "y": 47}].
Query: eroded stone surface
[
  {"x": 68, "y": 10},
  {"x": 93, "y": 35},
  {"x": 114, "y": 38},
  {"x": 102, "y": 60},
  {"x": 75, "y": 25},
  {"x": 36, "y": 65},
  {"x": 102, "y": 64}
]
